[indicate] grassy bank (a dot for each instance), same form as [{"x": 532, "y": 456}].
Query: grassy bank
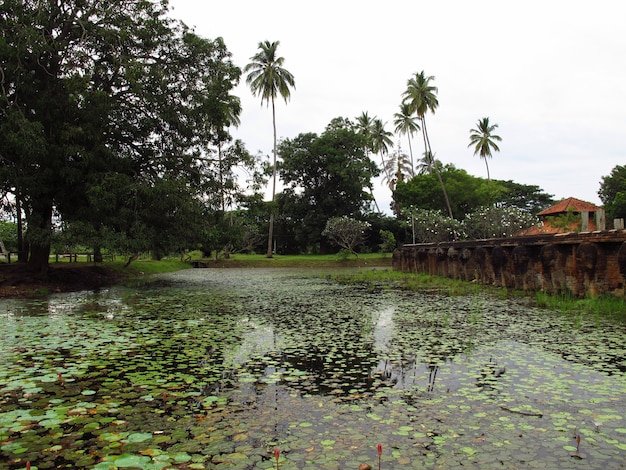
[
  {"x": 606, "y": 306},
  {"x": 380, "y": 277},
  {"x": 295, "y": 261}
]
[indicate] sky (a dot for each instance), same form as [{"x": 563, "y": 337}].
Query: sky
[{"x": 550, "y": 73}]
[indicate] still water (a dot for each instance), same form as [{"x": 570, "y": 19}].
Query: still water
[{"x": 211, "y": 369}]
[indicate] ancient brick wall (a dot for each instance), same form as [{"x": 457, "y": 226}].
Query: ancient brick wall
[{"x": 590, "y": 263}]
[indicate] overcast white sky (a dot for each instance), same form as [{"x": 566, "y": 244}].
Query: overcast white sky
[{"x": 550, "y": 73}]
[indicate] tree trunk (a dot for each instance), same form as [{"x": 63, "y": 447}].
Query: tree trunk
[
  {"x": 38, "y": 237},
  {"x": 39, "y": 259},
  {"x": 155, "y": 252},
  {"x": 97, "y": 255},
  {"x": 270, "y": 236},
  {"x": 22, "y": 246},
  {"x": 430, "y": 153}
]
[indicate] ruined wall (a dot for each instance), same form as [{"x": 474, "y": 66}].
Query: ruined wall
[{"x": 588, "y": 263}]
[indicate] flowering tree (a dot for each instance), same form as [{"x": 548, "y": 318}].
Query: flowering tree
[
  {"x": 346, "y": 232},
  {"x": 497, "y": 222},
  {"x": 432, "y": 226}
]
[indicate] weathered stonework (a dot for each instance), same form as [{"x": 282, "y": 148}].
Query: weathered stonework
[{"x": 588, "y": 263}]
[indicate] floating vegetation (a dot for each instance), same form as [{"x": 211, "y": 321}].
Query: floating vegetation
[{"x": 263, "y": 368}]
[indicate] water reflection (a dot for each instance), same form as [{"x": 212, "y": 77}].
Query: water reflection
[{"x": 267, "y": 355}]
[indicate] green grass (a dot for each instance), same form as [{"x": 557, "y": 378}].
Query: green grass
[
  {"x": 388, "y": 278},
  {"x": 332, "y": 260},
  {"x": 145, "y": 267},
  {"x": 600, "y": 306}
]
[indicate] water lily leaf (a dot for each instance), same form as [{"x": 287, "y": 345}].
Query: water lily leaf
[
  {"x": 129, "y": 460},
  {"x": 138, "y": 437},
  {"x": 181, "y": 457}
]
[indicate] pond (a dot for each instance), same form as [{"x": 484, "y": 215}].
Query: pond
[{"x": 212, "y": 369}]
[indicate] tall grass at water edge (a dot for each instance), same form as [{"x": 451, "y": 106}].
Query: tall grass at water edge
[{"x": 600, "y": 306}]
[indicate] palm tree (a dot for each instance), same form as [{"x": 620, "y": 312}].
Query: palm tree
[
  {"x": 230, "y": 117},
  {"x": 428, "y": 163},
  {"x": 381, "y": 139},
  {"x": 405, "y": 124},
  {"x": 364, "y": 127},
  {"x": 267, "y": 78},
  {"x": 421, "y": 97},
  {"x": 396, "y": 168},
  {"x": 484, "y": 140}
]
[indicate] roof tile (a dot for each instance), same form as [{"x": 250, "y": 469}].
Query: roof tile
[{"x": 570, "y": 203}]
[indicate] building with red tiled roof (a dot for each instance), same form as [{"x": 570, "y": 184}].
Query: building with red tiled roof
[
  {"x": 563, "y": 217},
  {"x": 570, "y": 204}
]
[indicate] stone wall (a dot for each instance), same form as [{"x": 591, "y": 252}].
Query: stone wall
[{"x": 590, "y": 263}]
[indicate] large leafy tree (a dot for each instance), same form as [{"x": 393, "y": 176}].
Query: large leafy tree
[
  {"x": 95, "y": 92},
  {"x": 421, "y": 96},
  {"x": 529, "y": 198},
  {"x": 268, "y": 79},
  {"x": 613, "y": 193},
  {"x": 325, "y": 176},
  {"x": 483, "y": 139},
  {"x": 467, "y": 193}
]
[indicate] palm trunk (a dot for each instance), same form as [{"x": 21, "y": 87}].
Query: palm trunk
[
  {"x": 443, "y": 186},
  {"x": 411, "y": 153},
  {"x": 374, "y": 199},
  {"x": 270, "y": 237},
  {"x": 367, "y": 154}
]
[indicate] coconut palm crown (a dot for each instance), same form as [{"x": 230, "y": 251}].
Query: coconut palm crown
[
  {"x": 268, "y": 79},
  {"x": 406, "y": 124},
  {"x": 484, "y": 140},
  {"x": 421, "y": 96}
]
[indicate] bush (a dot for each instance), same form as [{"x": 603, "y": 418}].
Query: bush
[
  {"x": 496, "y": 222},
  {"x": 346, "y": 232}
]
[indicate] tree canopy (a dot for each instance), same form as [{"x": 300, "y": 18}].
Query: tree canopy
[
  {"x": 325, "y": 176},
  {"x": 98, "y": 92},
  {"x": 346, "y": 232},
  {"x": 613, "y": 192},
  {"x": 421, "y": 97},
  {"x": 467, "y": 193},
  {"x": 483, "y": 139}
]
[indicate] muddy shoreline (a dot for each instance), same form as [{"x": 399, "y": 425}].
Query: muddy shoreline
[{"x": 16, "y": 280}]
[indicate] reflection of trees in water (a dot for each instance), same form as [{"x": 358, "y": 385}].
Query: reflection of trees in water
[
  {"x": 431, "y": 335},
  {"x": 431, "y": 377},
  {"x": 340, "y": 369},
  {"x": 489, "y": 375}
]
